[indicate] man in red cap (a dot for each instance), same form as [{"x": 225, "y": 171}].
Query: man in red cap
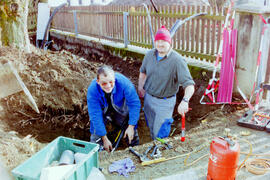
[{"x": 163, "y": 70}]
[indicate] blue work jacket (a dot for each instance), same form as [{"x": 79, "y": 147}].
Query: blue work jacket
[{"x": 124, "y": 98}]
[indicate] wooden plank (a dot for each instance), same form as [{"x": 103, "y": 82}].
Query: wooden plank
[
  {"x": 208, "y": 28},
  {"x": 148, "y": 34},
  {"x": 198, "y": 26},
  {"x": 118, "y": 26},
  {"x": 178, "y": 10},
  {"x": 136, "y": 28},
  {"x": 144, "y": 23},
  {"x": 152, "y": 22},
  {"x": 165, "y": 19},
  {"x": 141, "y": 26},
  {"x": 159, "y": 19},
  {"x": 146, "y": 26},
  {"x": 171, "y": 23},
  {"x": 113, "y": 23},
  {"x": 122, "y": 25},
  {"x": 169, "y": 11},
  {"x": 155, "y": 24},
  {"x": 104, "y": 25},
  {"x": 192, "y": 35},
  {"x": 188, "y": 30},
  {"x": 132, "y": 27},
  {"x": 128, "y": 24},
  {"x": 213, "y": 34},
  {"x": 202, "y": 32},
  {"x": 79, "y": 22},
  {"x": 183, "y": 29},
  {"x": 137, "y": 19},
  {"x": 107, "y": 23},
  {"x": 110, "y": 23},
  {"x": 266, "y": 94},
  {"x": 218, "y": 36},
  {"x": 174, "y": 39}
]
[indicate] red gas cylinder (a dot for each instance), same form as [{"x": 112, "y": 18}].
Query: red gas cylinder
[{"x": 223, "y": 160}]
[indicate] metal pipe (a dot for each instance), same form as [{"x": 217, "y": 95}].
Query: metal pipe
[
  {"x": 150, "y": 24},
  {"x": 179, "y": 23}
]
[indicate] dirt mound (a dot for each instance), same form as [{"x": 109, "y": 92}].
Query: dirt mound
[{"x": 58, "y": 82}]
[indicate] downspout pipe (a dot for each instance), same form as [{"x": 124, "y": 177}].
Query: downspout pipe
[{"x": 49, "y": 24}]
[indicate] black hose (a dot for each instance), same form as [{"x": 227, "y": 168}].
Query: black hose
[
  {"x": 153, "y": 4},
  {"x": 49, "y": 23}
]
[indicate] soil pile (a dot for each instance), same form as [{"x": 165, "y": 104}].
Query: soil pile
[{"x": 58, "y": 82}]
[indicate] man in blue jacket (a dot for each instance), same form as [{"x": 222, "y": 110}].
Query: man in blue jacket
[{"x": 112, "y": 97}]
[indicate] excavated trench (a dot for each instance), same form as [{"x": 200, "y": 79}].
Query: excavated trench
[{"x": 59, "y": 80}]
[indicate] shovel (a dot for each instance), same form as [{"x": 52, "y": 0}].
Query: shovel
[{"x": 11, "y": 83}]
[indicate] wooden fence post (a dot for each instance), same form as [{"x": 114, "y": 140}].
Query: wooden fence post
[
  {"x": 125, "y": 15},
  {"x": 75, "y": 23},
  {"x": 249, "y": 26}
]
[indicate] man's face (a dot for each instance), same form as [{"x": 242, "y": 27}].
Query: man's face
[
  {"x": 162, "y": 47},
  {"x": 106, "y": 82}
]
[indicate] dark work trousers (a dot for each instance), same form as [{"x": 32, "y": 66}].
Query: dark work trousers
[{"x": 114, "y": 122}]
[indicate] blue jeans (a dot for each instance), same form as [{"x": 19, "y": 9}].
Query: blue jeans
[{"x": 158, "y": 114}]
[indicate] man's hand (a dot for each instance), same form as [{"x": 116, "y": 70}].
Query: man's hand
[
  {"x": 129, "y": 133},
  {"x": 142, "y": 78},
  {"x": 182, "y": 108},
  {"x": 107, "y": 143},
  {"x": 141, "y": 92}
]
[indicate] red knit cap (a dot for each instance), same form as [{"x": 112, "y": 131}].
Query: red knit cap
[{"x": 163, "y": 34}]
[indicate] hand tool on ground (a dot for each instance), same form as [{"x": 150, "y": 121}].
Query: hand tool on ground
[
  {"x": 168, "y": 146},
  {"x": 142, "y": 157},
  {"x": 147, "y": 150},
  {"x": 156, "y": 153}
]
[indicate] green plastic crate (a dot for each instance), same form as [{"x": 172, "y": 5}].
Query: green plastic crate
[{"x": 31, "y": 168}]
